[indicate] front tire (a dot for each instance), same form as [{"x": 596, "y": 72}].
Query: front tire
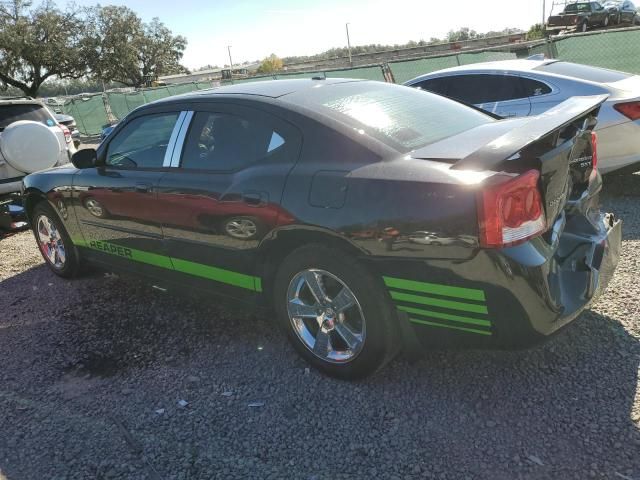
[
  {"x": 584, "y": 27},
  {"x": 335, "y": 312},
  {"x": 54, "y": 242}
]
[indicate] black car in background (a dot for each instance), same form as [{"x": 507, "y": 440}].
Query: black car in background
[{"x": 370, "y": 216}]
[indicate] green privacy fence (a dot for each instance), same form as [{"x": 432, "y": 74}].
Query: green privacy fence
[
  {"x": 408, "y": 69},
  {"x": 617, "y": 49},
  {"x": 90, "y": 113},
  {"x": 374, "y": 72}
]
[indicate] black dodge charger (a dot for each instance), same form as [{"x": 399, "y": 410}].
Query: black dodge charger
[{"x": 371, "y": 217}]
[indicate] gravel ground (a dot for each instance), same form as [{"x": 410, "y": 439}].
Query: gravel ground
[{"x": 94, "y": 372}]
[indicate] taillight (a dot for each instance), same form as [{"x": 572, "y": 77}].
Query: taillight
[
  {"x": 67, "y": 133},
  {"x": 594, "y": 150},
  {"x": 631, "y": 110},
  {"x": 511, "y": 211}
]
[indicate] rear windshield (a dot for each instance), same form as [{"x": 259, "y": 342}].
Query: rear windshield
[
  {"x": 584, "y": 72},
  {"x": 12, "y": 113},
  {"x": 403, "y": 118},
  {"x": 578, "y": 7}
]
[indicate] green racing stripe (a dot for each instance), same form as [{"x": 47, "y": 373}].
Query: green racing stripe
[{"x": 216, "y": 274}]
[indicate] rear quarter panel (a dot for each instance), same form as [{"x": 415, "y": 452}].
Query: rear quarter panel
[{"x": 397, "y": 207}]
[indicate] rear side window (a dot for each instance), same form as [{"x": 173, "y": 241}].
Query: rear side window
[
  {"x": 578, "y": 7},
  {"x": 224, "y": 142},
  {"x": 142, "y": 143},
  {"x": 480, "y": 88},
  {"x": 534, "y": 88},
  {"x": 403, "y": 118},
  {"x": 584, "y": 72},
  {"x": 15, "y": 112}
]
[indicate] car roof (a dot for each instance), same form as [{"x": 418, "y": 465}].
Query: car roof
[
  {"x": 267, "y": 88},
  {"x": 523, "y": 65}
]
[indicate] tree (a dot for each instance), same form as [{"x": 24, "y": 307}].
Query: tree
[
  {"x": 536, "y": 32},
  {"x": 126, "y": 50},
  {"x": 271, "y": 64},
  {"x": 462, "y": 35},
  {"x": 37, "y": 44}
]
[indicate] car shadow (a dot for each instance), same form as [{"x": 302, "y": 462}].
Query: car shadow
[{"x": 516, "y": 413}]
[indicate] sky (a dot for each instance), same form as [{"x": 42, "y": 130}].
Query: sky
[{"x": 256, "y": 28}]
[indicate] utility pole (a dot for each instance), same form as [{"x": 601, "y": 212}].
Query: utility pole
[
  {"x": 544, "y": 12},
  {"x": 230, "y": 61},
  {"x": 348, "y": 44}
]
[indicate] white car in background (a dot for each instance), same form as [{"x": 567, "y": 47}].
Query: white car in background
[
  {"x": 520, "y": 88},
  {"x": 30, "y": 140}
]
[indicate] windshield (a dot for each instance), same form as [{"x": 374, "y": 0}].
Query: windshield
[
  {"x": 584, "y": 72},
  {"x": 13, "y": 112},
  {"x": 403, "y": 118},
  {"x": 578, "y": 7}
]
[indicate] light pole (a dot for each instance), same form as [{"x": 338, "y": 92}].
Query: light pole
[
  {"x": 544, "y": 11},
  {"x": 348, "y": 44},
  {"x": 230, "y": 61}
]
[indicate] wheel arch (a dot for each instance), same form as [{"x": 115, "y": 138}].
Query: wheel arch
[
  {"x": 280, "y": 243},
  {"x": 30, "y": 198}
]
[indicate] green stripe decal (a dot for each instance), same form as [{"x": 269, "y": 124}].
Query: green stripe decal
[
  {"x": 453, "y": 327},
  {"x": 435, "y": 289},
  {"x": 213, "y": 273},
  {"x": 436, "y": 302},
  {"x": 228, "y": 277},
  {"x": 445, "y": 316}
]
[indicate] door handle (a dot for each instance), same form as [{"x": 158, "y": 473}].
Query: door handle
[
  {"x": 254, "y": 199},
  {"x": 143, "y": 187}
]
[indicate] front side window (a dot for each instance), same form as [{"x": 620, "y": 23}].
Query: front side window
[
  {"x": 478, "y": 89},
  {"x": 224, "y": 142},
  {"x": 143, "y": 142}
]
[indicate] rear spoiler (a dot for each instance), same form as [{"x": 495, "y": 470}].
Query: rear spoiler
[{"x": 504, "y": 147}]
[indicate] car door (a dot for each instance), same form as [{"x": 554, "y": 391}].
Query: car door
[
  {"x": 627, "y": 12},
  {"x": 224, "y": 196},
  {"x": 598, "y": 13},
  {"x": 497, "y": 93},
  {"x": 116, "y": 201}
]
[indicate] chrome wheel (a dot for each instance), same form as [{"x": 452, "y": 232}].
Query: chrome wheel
[
  {"x": 94, "y": 207},
  {"x": 242, "y": 228},
  {"x": 50, "y": 242},
  {"x": 326, "y": 316}
]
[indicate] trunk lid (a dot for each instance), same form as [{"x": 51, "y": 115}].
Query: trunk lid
[{"x": 557, "y": 143}]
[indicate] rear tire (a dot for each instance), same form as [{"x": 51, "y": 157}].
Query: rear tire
[
  {"x": 584, "y": 26},
  {"x": 347, "y": 343},
  {"x": 54, "y": 242}
]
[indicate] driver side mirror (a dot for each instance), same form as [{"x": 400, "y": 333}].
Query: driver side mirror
[{"x": 85, "y": 158}]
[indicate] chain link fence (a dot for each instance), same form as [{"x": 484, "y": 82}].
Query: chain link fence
[{"x": 617, "y": 50}]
